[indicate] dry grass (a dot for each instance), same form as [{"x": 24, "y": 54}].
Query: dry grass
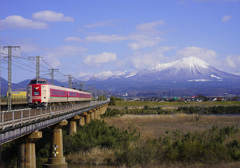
[
  {"x": 153, "y": 126},
  {"x": 95, "y": 156},
  {"x": 175, "y": 165}
]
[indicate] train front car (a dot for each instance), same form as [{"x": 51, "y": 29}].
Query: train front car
[{"x": 37, "y": 92}]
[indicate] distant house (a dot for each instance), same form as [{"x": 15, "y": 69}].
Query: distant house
[{"x": 218, "y": 99}]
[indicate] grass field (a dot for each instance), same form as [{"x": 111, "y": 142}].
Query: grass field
[
  {"x": 153, "y": 126},
  {"x": 150, "y": 103}
]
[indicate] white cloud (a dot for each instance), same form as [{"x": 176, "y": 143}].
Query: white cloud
[
  {"x": 51, "y": 16},
  {"x": 206, "y": 0},
  {"x": 143, "y": 41},
  {"x": 216, "y": 0},
  {"x": 106, "y": 38},
  {"x": 231, "y": 62},
  {"x": 226, "y": 18},
  {"x": 231, "y": 0},
  {"x": 63, "y": 51},
  {"x": 202, "y": 53},
  {"x": 15, "y": 22},
  {"x": 150, "y": 27},
  {"x": 101, "y": 24},
  {"x": 104, "y": 57},
  {"x": 149, "y": 60},
  {"x": 146, "y": 35},
  {"x": 75, "y": 39}
]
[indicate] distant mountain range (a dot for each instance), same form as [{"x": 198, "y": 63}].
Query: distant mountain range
[
  {"x": 186, "y": 69},
  {"x": 185, "y": 77}
]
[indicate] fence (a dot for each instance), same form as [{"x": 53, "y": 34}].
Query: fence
[{"x": 19, "y": 117}]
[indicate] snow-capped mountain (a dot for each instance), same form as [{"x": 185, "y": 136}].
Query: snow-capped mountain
[{"x": 186, "y": 69}]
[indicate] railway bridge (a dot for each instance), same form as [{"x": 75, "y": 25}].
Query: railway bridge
[{"x": 25, "y": 125}]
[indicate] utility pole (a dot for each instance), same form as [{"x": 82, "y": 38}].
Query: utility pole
[
  {"x": 0, "y": 93},
  {"x": 37, "y": 65},
  {"x": 81, "y": 86},
  {"x": 10, "y": 74},
  {"x": 89, "y": 88},
  {"x": 52, "y": 74},
  {"x": 69, "y": 80},
  {"x": 96, "y": 94},
  {"x": 74, "y": 85}
]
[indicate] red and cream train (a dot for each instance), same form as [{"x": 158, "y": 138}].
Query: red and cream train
[{"x": 41, "y": 93}]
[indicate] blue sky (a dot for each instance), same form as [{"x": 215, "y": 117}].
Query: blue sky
[{"x": 111, "y": 36}]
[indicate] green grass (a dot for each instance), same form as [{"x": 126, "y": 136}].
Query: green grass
[{"x": 148, "y": 103}]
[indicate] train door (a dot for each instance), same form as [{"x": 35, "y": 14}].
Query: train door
[
  {"x": 29, "y": 94},
  {"x": 44, "y": 95}
]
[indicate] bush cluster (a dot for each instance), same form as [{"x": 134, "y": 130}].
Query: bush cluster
[
  {"x": 213, "y": 146},
  {"x": 210, "y": 110},
  {"x": 97, "y": 134},
  {"x": 145, "y": 110},
  {"x": 188, "y": 110}
]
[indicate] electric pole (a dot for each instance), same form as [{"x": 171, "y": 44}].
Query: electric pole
[
  {"x": 81, "y": 86},
  {"x": 52, "y": 74},
  {"x": 37, "y": 65},
  {"x": 69, "y": 80},
  {"x": 10, "y": 74}
]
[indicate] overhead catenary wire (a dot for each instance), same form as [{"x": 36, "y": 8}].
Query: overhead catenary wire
[{"x": 21, "y": 55}]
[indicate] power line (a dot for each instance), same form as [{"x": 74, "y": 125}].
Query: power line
[
  {"x": 23, "y": 68},
  {"x": 47, "y": 63}
]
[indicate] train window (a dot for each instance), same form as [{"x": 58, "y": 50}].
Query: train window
[
  {"x": 42, "y": 82},
  {"x": 73, "y": 94},
  {"x": 33, "y": 82},
  {"x": 57, "y": 92}
]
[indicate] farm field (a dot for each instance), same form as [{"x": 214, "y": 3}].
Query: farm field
[{"x": 151, "y": 103}]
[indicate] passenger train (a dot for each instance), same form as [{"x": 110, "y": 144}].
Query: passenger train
[{"x": 41, "y": 93}]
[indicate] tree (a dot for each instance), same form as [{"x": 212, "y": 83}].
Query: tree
[{"x": 112, "y": 101}]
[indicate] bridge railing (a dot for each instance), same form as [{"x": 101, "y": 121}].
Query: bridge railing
[{"x": 19, "y": 117}]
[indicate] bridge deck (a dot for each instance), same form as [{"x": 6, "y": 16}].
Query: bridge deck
[{"x": 18, "y": 123}]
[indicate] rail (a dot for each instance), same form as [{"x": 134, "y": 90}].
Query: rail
[{"x": 19, "y": 117}]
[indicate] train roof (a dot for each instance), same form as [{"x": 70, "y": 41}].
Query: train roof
[{"x": 38, "y": 81}]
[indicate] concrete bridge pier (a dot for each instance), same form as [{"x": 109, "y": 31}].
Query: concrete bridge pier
[
  {"x": 96, "y": 114},
  {"x": 72, "y": 128},
  {"x": 26, "y": 152},
  {"x": 102, "y": 110},
  {"x": 105, "y": 108},
  {"x": 99, "y": 113},
  {"x": 87, "y": 117},
  {"x": 57, "y": 159},
  {"x": 82, "y": 121},
  {"x": 91, "y": 112}
]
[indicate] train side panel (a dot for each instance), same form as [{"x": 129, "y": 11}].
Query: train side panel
[
  {"x": 72, "y": 95},
  {"x": 57, "y": 94},
  {"x": 85, "y": 96}
]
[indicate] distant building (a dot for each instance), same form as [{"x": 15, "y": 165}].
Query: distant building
[{"x": 19, "y": 94}]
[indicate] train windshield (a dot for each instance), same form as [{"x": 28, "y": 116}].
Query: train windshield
[
  {"x": 38, "y": 82},
  {"x": 33, "y": 82},
  {"x": 42, "y": 82}
]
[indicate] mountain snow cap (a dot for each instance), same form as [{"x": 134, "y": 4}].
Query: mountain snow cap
[
  {"x": 193, "y": 62},
  {"x": 186, "y": 62}
]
